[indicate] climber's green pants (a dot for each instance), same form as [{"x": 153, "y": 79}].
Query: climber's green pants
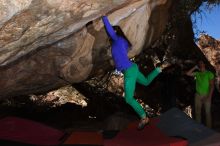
[{"x": 131, "y": 76}]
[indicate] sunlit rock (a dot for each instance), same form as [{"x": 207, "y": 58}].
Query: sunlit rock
[{"x": 64, "y": 95}]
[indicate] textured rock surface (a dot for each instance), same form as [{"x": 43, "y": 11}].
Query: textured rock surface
[
  {"x": 45, "y": 44},
  {"x": 63, "y": 95}
]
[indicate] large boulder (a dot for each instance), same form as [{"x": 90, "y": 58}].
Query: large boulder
[{"x": 46, "y": 44}]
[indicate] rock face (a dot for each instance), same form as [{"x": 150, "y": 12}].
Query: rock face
[
  {"x": 45, "y": 44},
  {"x": 211, "y": 49}
]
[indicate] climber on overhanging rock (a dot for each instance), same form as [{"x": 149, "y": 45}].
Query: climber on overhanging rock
[{"x": 119, "y": 49}]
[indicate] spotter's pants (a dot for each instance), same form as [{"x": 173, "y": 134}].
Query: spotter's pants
[{"x": 198, "y": 109}]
